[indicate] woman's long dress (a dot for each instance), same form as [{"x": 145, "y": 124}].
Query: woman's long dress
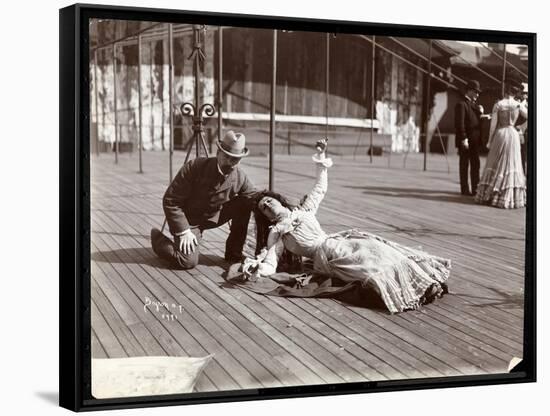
[
  {"x": 400, "y": 275},
  {"x": 503, "y": 181}
]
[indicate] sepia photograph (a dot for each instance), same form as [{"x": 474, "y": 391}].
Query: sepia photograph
[{"x": 274, "y": 207}]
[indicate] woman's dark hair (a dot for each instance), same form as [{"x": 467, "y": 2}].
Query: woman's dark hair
[
  {"x": 288, "y": 262},
  {"x": 512, "y": 86}
]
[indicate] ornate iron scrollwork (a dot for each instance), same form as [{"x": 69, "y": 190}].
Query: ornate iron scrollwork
[{"x": 195, "y": 110}]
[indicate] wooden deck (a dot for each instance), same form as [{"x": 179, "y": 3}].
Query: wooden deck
[{"x": 259, "y": 341}]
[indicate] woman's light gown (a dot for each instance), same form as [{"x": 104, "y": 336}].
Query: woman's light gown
[
  {"x": 503, "y": 181},
  {"x": 401, "y": 275}
]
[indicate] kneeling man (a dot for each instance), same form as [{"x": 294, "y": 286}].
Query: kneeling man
[{"x": 206, "y": 193}]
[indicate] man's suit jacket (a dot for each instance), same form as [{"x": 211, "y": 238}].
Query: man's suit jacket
[
  {"x": 198, "y": 192},
  {"x": 467, "y": 122}
]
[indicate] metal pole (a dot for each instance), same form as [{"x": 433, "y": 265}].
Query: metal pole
[
  {"x": 220, "y": 82},
  {"x": 196, "y": 110},
  {"x": 123, "y": 40},
  {"x": 503, "y": 71},
  {"x": 161, "y": 96},
  {"x": 372, "y": 86},
  {"x": 285, "y": 98},
  {"x": 289, "y": 140},
  {"x": 196, "y": 40},
  {"x": 152, "y": 94},
  {"x": 443, "y": 146},
  {"x": 115, "y": 103},
  {"x": 103, "y": 104},
  {"x": 525, "y": 76},
  {"x": 171, "y": 94},
  {"x": 426, "y": 59},
  {"x": 398, "y": 56},
  {"x": 428, "y": 107},
  {"x": 272, "y": 115},
  {"x": 140, "y": 132},
  {"x": 96, "y": 87},
  {"x": 327, "y": 81}
]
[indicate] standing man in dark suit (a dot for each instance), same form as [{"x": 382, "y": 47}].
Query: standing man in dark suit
[
  {"x": 206, "y": 193},
  {"x": 468, "y": 137}
]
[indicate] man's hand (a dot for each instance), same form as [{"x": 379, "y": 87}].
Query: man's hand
[
  {"x": 186, "y": 242},
  {"x": 465, "y": 144}
]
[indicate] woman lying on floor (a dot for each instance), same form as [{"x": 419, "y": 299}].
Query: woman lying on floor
[{"x": 402, "y": 278}]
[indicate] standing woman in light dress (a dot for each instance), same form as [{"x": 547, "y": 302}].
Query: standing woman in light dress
[
  {"x": 404, "y": 278},
  {"x": 503, "y": 181}
]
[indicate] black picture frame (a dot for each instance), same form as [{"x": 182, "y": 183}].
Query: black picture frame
[{"x": 75, "y": 342}]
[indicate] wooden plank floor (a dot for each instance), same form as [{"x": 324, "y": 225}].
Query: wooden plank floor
[{"x": 140, "y": 307}]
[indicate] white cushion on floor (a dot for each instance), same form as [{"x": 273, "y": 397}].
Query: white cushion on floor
[{"x": 145, "y": 376}]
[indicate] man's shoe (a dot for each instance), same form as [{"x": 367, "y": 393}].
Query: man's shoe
[
  {"x": 162, "y": 245},
  {"x": 155, "y": 233}
]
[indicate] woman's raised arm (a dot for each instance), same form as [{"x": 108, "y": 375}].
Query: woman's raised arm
[{"x": 313, "y": 199}]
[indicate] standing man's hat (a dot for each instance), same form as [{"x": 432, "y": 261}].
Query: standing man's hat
[
  {"x": 233, "y": 144},
  {"x": 473, "y": 85}
]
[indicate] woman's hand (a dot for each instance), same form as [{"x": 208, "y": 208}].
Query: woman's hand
[
  {"x": 321, "y": 146},
  {"x": 250, "y": 269},
  {"x": 320, "y": 156}
]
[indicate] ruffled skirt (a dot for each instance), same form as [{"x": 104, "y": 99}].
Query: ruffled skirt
[
  {"x": 404, "y": 277},
  {"x": 503, "y": 181}
]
